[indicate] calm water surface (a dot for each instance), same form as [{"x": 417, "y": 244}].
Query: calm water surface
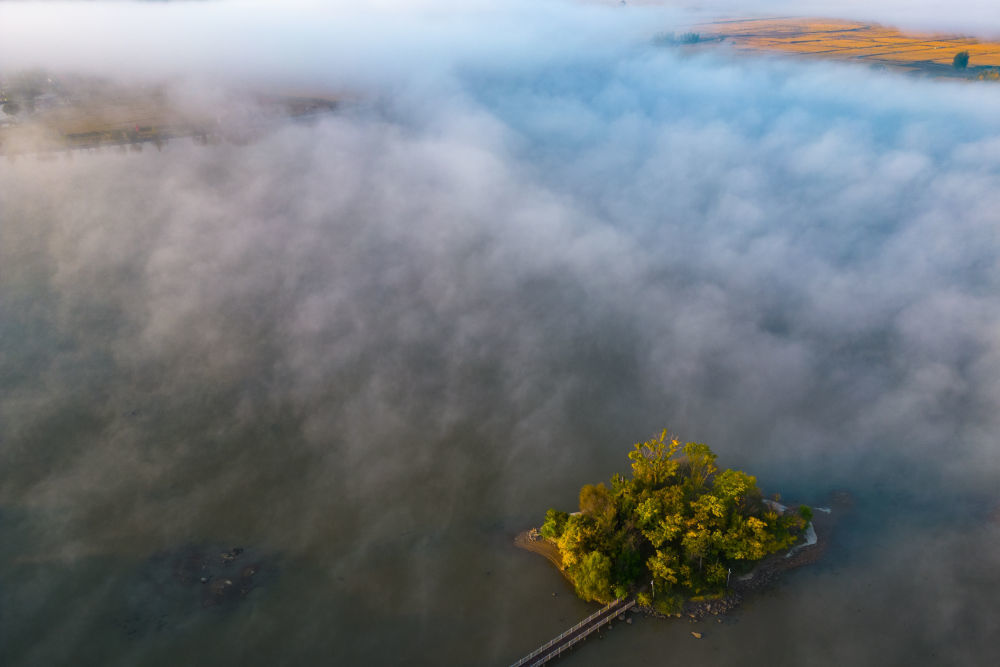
[{"x": 370, "y": 353}]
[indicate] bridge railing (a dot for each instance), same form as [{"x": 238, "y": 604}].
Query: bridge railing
[
  {"x": 579, "y": 639},
  {"x": 544, "y": 647},
  {"x": 573, "y": 642}
]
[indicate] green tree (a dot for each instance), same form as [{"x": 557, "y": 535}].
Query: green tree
[
  {"x": 739, "y": 490},
  {"x": 623, "y": 491},
  {"x": 709, "y": 511},
  {"x": 596, "y": 502},
  {"x": 664, "y": 568},
  {"x": 697, "y": 546},
  {"x": 961, "y": 60},
  {"x": 700, "y": 463},
  {"x": 715, "y": 574},
  {"x": 554, "y": 523},
  {"x": 665, "y": 531},
  {"x": 649, "y": 512},
  {"x": 575, "y": 541},
  {"x": 593, "y": 577},
  {"x": 745, "y": 540},
  {"x": 652, "y": 461},
  {"x": 627, "y": 565}
]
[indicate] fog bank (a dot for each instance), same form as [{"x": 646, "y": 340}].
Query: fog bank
[{"x": 380, "y": 344}]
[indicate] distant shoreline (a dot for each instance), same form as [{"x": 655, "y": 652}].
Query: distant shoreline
[{"x": 866, "y": 43}]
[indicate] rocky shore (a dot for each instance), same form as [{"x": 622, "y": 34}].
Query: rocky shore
[{"x": 768, "y": 571}]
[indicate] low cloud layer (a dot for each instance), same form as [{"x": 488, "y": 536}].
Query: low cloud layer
[
  {"x": 358, "y": 43},
  {"x": 380, "y": 343},
  {"x": 328, "y": 44}
]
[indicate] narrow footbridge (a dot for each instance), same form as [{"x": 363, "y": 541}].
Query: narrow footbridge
[{"x": 556, "y": 647}]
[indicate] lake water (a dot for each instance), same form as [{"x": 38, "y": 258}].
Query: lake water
[{"x": 371, "y": 350}]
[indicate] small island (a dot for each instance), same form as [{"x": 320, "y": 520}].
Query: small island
[{"x": 679, "y": 530}]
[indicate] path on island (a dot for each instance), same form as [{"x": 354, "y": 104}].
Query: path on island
[{"x": 556, "y": 647}]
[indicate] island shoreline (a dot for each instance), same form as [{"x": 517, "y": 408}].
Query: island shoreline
[{"x": 762, "y": 577}]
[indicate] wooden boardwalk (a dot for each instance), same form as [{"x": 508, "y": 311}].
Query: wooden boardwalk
[{"x": 556, "y": 647}]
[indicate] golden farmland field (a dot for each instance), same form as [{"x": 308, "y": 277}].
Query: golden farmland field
[
  {"x": 43, "y": 113},
  {"x": 851, "y": 41}
]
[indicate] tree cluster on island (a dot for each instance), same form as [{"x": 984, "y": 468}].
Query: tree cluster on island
[{"x": 679, "y": 524}]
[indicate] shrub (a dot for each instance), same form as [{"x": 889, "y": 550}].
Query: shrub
[{"x": 669, "y": 604}]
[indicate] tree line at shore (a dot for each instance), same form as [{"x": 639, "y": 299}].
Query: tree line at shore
[{"x": 678, "y": 523}]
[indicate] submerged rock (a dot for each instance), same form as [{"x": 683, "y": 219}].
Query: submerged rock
[{"x": 174, "y": 587}]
